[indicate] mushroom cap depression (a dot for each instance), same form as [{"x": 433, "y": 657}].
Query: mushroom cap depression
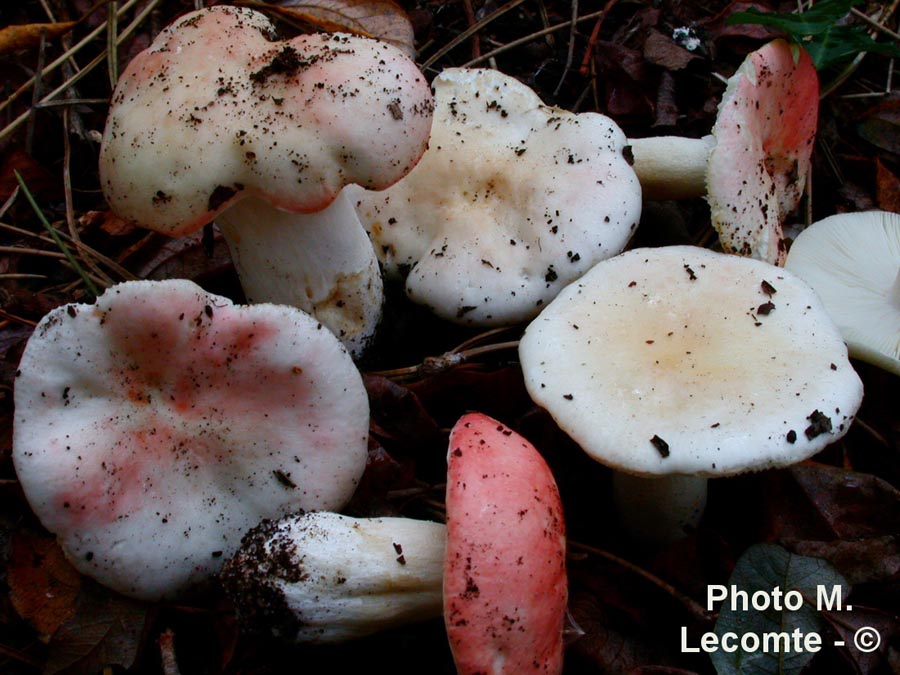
[
  {"x": 764, "y": 134},
  {"x": 505, "y": 587},
  {"x": 215, "y": 109},
  {"x": 512, "y": 200},
  {"x": 680, "y": 360},
  {"x": 154, "y": 428},
  {"x": 852, "y": 260}
]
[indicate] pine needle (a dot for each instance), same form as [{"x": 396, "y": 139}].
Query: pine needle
[{"x": 56, "y": 238}]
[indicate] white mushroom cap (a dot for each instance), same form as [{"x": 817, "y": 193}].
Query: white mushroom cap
[
  {"x": 680, "y": 360},
  {"x": 512, "y": 200},
  {"x": 153, "y": 428},
  {"x": 852, "y": 261},
  {"x": 215, "y": 111},
  {"x": 324, "y": 577}
]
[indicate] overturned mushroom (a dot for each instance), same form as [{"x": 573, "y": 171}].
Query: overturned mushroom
[
  {"x": 323, "y": 577},
  {"x": 512, "y": 200},
  {"x": 153, "y": 428},
  {"x": 753, "y": 168},
  {"x": 677, "y": 364},
  {"x": 217, "y": 120},
  {"x": 852, "y": 260}
]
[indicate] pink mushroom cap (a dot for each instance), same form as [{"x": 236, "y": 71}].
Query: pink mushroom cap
[
  {"x": 505, "y": 588},
  {"x": 216, "y": 109},
  {"x": 764, "y": 133},
  {"x": 153, "y": 428}
]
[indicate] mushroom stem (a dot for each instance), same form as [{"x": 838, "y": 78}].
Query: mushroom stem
[
  {"x": 322, "y": 577},
  {"x": 671, "y": 167},
  {"x": 322, "y": 263},
  {"x": 659, "y": 510}
]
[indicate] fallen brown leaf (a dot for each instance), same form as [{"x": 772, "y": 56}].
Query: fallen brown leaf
[
  {"x": 888, "y": 186},
  {"x": 106, "y": 629},
  {"x": 381, "y": 19},
  {"x": 28, "y": 36},
  {"x": 662, "y": 50},
  {"x": 42, "y": 584}
]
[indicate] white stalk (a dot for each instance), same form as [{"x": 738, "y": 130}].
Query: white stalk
[
  {"x": 659, "y": 510},
  {"x": 671, "y": 167},
  {"x": 324, "y": 577},
  {"x": 322, "y": 263}
]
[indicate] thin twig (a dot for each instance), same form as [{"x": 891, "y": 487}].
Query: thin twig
[
  {"x": 16, "y": 123},
  {"x": 529, "y": 38},
  {"x": 112, "y": 52},
  {"x": 570, "y": 53},
  {"x": 56, "y": 238},
  {"x": 67, "y": 192},
  {"x": 695, "y": 608},
  {"x": 17, "y": 319},
  {"x": 879, "y": 27},
  {"x": 65, "y": 56},
  {"x": 19, "y": 250},
  {"x": 471, "y": 30},
  {"x": 36, "y": 93},
  {"x": 849, "y": 70},
  {"x": 470, "y": 17},
  {"x": 434, "y": 365},
  {"x": 82, "y": 248}
]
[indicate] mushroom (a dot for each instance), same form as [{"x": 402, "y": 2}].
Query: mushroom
[
  {"x": 498, "y": 567},
  {"x": 217, "y": 120},
  {"x": 676, "y": 364},
  {"x": 323, "y": 577},
  {"x": 512, "y": 200},
  {"x": 753, "y": 168},
  {"x": 505, "y": 588},
  {"x": 852, "y": 260},
  {"x": 153, "y": 428}
]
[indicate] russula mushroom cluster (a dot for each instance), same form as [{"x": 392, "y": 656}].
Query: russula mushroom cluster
[
  {"x": 153, "y": 428},
  {"x": 753, "y": 167},
  {"x": 676, "y": 364},
  {"x": 497, "y": 569},
  {"x": 512, "y": 200},
  {"x": 852, "y": 260},
  {"x": 217, "y": 119}
]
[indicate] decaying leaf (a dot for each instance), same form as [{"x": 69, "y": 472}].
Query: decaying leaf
[
  {"x": 105, "y": 630},
  {"x": 765, "y": 568},
  {"x": 381, "y": 19},
  {"x": 42, "y": 584},
  {"x": 662, "y": 50},
  {"x": 854, "y": 505},
  {"x": 28, "y": 36},
  {"x": 856, "y": 625},
  {"x": 888, "y": 186}
]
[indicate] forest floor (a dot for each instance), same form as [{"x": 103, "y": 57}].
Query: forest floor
[{"x": 630, "y": 603}]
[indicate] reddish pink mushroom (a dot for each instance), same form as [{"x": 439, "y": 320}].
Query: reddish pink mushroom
[
  {"x": 753, "y": 167},
  {"x": 764, "y": 138},
  {"x": 322, "y": 577},
  {"x": 505, "y": 587}
]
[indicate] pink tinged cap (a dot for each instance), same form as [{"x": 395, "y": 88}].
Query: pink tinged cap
[
  {"x": 155, "y": 427},
  {"x": 505, "y": 588},
  {"x": 217, "y": 119},
  {"x": 215, "y": 109},
  {"x": 764, "y": 133}
]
